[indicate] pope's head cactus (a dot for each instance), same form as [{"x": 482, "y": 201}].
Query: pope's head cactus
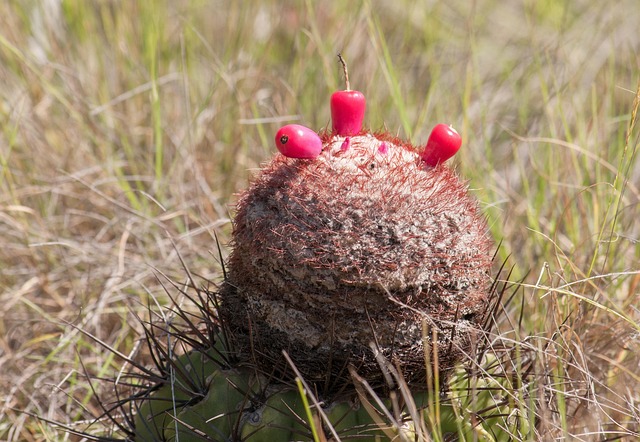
[
  {"x": 361, "y": 251},
  {"x": 350, "y": 249},
  {"x": 364, "y": 244}
]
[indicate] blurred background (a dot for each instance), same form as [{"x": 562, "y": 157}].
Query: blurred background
[{"x": 127, "y": 129}]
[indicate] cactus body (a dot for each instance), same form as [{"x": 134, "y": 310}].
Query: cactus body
[{"x": 237, "y": 405}]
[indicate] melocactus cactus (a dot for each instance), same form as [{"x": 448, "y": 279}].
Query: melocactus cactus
[{"x": 363, "y": 244}]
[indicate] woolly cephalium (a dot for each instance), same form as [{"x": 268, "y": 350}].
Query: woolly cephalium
[{"x": 364, "y": 249}]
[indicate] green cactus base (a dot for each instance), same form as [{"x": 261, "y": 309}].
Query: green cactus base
[
  {"x": 204, "y": 399},
  {"x": 208, "y": 401}
]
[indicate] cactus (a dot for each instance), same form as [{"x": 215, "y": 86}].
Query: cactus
[
  {"x": 364, "y": 244},
  {"x": 364, "y": 271}
]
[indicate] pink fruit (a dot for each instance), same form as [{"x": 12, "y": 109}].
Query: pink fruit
[
  {"x": 347, "y": 112},
  {"x": 347, "y": 108},
  {"x": 296, "y": 141},
  {"x": 443, "y": 143}
]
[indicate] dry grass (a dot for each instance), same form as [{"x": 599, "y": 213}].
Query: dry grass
[{"x": 126, "y": 128}]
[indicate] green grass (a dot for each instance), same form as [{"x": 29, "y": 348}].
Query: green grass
[{"x": 126, "y": 128}]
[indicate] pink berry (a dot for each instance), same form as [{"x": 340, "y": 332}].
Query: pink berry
[
  {"x": 347, "y": 112},
  {"x": 296, "y": 141},
  {"x": 347, "y": 108},
  {"x": 443, "y": 143}
]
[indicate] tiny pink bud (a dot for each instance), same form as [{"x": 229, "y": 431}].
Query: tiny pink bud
[
  {"x": 296, "y": 141},
  {"x": 383, "y": 148},
  {"x": 345, "y": 144}
]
